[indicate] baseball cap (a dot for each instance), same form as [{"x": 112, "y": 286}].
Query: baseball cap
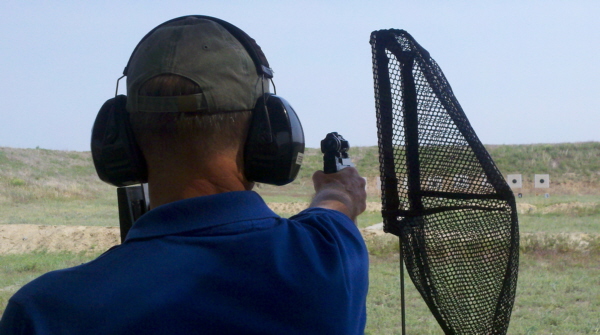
[{"x": 202, "y": 51}]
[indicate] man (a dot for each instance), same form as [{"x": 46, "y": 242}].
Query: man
[{"x": 210, "y": 257}]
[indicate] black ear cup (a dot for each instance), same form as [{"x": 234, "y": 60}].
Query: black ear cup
[
  {"x": 274, "y": 147},
  {"x": 117, "y": 157}
]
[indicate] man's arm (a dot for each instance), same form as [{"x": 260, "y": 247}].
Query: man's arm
[{"x": 342, "y": 191}]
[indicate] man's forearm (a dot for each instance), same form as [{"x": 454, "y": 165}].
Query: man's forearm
[{"x": 335, "y": 199}]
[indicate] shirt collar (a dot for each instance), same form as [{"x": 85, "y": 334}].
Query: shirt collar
[{"x": 200, "y": 213}]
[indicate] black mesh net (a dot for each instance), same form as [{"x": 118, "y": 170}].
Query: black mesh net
[{"x": 442, "y": 194}]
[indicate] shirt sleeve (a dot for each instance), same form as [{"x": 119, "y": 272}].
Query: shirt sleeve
[
  {"x": 330, "y": 220},
  {"x": 341, "y": 234}
]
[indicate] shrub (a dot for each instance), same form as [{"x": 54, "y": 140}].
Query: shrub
[{"x": 17, "y": 182}]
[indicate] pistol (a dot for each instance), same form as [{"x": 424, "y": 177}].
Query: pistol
[{"x": 335, "y": 153}]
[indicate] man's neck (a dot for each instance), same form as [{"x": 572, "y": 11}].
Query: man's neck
[{"x": 173, "y": 181}]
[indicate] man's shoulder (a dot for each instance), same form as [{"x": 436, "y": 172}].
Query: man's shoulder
[
  {"x": 329, "y": 222},
  {"x": 323, "y": 215}
]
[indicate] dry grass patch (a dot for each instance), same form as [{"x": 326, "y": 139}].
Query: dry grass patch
[
  {"x": 295, "y": 207},
  {"x": 561, "y": 242},
  {"x": 34, "y": 174},
  {"x": 26, "y": 238}
]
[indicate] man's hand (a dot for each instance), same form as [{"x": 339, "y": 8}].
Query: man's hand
[{"x": 343, "y": 191}]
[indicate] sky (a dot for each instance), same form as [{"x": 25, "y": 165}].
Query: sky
[{"x": 523, "y": 71}]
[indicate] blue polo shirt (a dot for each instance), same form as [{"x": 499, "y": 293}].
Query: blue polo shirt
[{"x": 220, "y": 264}]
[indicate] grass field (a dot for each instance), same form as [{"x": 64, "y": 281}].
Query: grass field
[
  {"x": 559, "y": 280},
  {"x": 558, "y": 293},
  {"x": 558, "y": 290}
]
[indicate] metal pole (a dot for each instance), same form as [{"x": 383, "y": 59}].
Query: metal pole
[{"x": 402, "y": 300}]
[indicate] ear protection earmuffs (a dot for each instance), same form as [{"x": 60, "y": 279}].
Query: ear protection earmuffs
[{"x": 273, "y": 150}]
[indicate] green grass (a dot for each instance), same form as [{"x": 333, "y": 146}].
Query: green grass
[
  {"x": 60, "y": 212},
  {"x": 558, "y": 199},
  {"x": 559, "y": 224},
  {"x": 19, "y": 269},
  {"x": 50, "y": 187},
  {"x": 560, "y": 158},
  {"x": 103, "y": 211},
  {"x": 368, "y": 219},
  {"x": 32, "y": 175},
  {"x": 574, "y": 214},
  {"x": 565, "y": 162},
  {"x": 558, "y": 290},
  {"x": 556, "y": 294}
]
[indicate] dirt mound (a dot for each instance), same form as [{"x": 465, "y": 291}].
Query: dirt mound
[
  {"x": 295, "y": 207},
  {"x": 561, "y": 208},
  {"x": 25, "y": 238},
  {"x": 287, "y": 207},
  {"x": 525, "y": 208},
  {"x": 570, "y": 207},
  {"x": 374, "y": 230},
  {"x": 560, "y": 242}
]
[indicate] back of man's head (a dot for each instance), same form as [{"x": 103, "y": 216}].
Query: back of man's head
[{"x": 191, "y": 83}]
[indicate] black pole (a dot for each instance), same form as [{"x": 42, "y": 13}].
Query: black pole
[
  {"x": 402, "y": 299},
  {"x": 132, "y": 205}
]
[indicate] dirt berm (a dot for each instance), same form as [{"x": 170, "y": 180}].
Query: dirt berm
[{"x": 26, "y": 238}]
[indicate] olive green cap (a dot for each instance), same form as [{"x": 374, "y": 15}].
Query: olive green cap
[{"x": 204, "y": 52}]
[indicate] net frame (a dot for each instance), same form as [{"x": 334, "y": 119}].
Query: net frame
[{"x": 442, "y": 194}]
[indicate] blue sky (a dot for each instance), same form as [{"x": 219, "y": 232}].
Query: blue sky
[{"x": 523, "y": 71}]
